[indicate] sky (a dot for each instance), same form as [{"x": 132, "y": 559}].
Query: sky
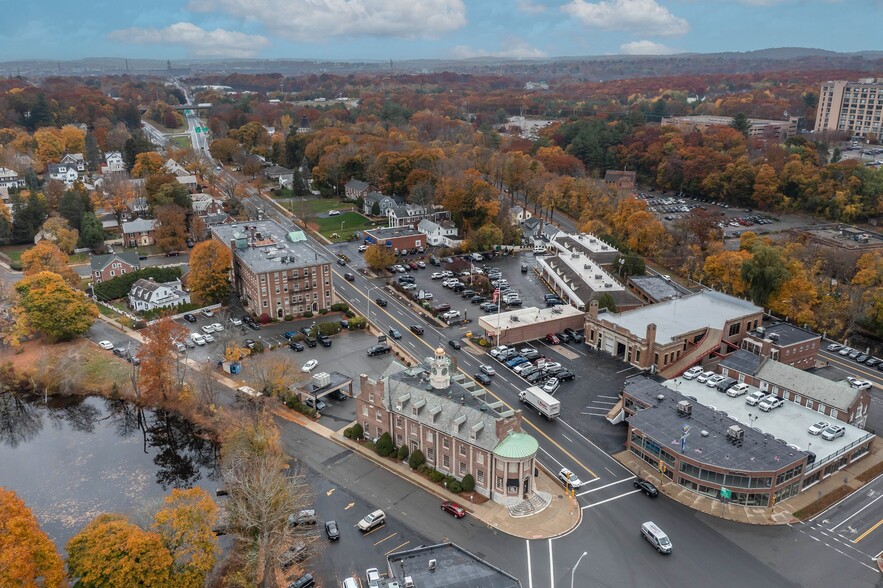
[{"x": 414, "y": 29}]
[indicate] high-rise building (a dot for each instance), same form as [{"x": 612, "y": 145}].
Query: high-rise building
[{"x": 851, "y": 107}]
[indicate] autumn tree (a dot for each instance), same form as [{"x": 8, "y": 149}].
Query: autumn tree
[
  {"x": 171, "y": 230},
  {"x": 224, "y": 149},
  {"x": 271, "y": 374},
  {"x": 27, "y": 555},
  {"x": 797, "y": 296},
  {"x": 723, "y": 271},
  {"x": 378, "y": 257},
  {"x": 58, "y": 229},
  {"x": 45, "y": 256},
  {"x": 185, "y": 524},
  {"x": 50, "y": 147},
  {"x": 48, "y": 305},
  {"x": 147, "y": 164},
  {"x": 764, "y": 272},
  {"x": 210, "y": 263},
  {"x": 485, "y": 238},
  {"x": 157, "y": 376},
  {"x": 73, "y": 138},
  {"x": 111, "y": 551}
]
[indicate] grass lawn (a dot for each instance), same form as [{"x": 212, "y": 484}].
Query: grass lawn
[
  {"x": 101, "y": 368},
  {"x": 352, "y": 221},
  {"x": 14, "y": 252},
  {"x": 181, "y": 142}
]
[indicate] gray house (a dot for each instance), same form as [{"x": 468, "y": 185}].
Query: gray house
[{"x": 385, "y": 202}]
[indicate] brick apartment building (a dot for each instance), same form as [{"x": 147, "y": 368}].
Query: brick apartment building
[
  {"x": 784, "y": 343},
  {"x": 275, "y": 271},
  {"x": 433, "y": 408}
]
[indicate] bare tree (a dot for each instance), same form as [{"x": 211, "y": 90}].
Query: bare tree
[
  {"x": 271, "y": 373},
  {"x": 206, "y": 386},
  {"x": 62, "y": 369}
]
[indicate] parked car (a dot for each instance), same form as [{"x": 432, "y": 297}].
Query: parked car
[
  {"x": 817, "y": 428},
  {"x": 692, "y": 373},
  {"x": 755, "y": 398},
  {"x": 315, "y": 404},
  {"x": 309, "y": 366},
  {"x": 703, "y": 377},
  {"x": 189, "y": 318},
  {"x": 207, "y": 329},
  {"x": 372, "y": 521},
  {"x": 207, "y": 313},
  {"x": 737, "y": 390},
  {"x": 574, "y": 335},
  {"x": 715, "y": 380},
  {"x": 565, "y": 376},
  {"x": 553, "y": 339},
  {"x": 835, "y": 347},
  {"x": 770, "y": 402},
  {"x": 551, "y": 385},
  {"x": 378, "y": 350},
  {"x": 453, "y": 508},
  {"x": 833, "y": 432},
  {"x": 305, "y": 581},
  {"x": 235, "y": 321},
  {"x": 289, "y": 334},
  {"x": 372, "y": 578},
  {"x": 861, "y": 358},
  {"x": 646, "y": 487},
  {"x": 331, "y": 530}
]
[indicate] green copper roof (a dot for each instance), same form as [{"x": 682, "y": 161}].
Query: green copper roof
[{"x": 517, "y": 446}]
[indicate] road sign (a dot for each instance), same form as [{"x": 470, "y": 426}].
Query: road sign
[
  {"x": 725, "y": 493},
  {"x": 198, "y": 130}
]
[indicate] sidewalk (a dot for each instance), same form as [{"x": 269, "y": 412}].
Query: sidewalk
[
  {"x": 781, "y": 513},
  {"x": 554, "y": 520}
]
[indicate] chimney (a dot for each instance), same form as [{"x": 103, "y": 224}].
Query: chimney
[
  {"x": 593, "y": 309},
  {"x": 651, "y": 341}
]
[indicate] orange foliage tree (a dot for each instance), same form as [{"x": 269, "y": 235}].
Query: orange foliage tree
[
  {"x": 158, "y": 361},
  {"x": 27, "y": 555},
  {"x": 210, "y": 263},
  {"x": 45, "y": 256}
]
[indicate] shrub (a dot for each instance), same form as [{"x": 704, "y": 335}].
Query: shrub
[
  {"x": 424, "y": 469},
  {"x": 16, "y": 265},
  {"x": 358, "y": 323},
  {"x": 289, "y": 317},
  {"x": 403, "y": 453},
  {"x": 264, "y": 318},
  {"x": 323, "y": 311},
  {"x": 369, "y": 444},
  {"x": 340, "y": 307},
  {"x": 329, "y": 328},
  {"x": 308, "y": 314},
  {"x": 294, "y": 403},
  {"x": 348, "y": 432},
  {"x": 350, "y": 314},
  {"x": 468, "y": 483},
  {"x": 455, "y": 487},
  {"x": 416, "y": 460},
  {"x": 258, "y": 347},
  {"x": 436, "y": 476},
  {"x": 357, "y": 431},
  {"x": 384, "y": 447},
  {"x": 449, "y": 479}
]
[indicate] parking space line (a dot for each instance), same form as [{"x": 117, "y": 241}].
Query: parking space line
[
  {"x": 384, "y": 539},
  {"x": 397, "y": 547}
]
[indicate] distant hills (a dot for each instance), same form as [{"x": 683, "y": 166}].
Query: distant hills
[{"x": 587, "y": 68}]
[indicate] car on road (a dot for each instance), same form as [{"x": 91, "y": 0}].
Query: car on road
[
  {"x": 488, "y": 370},
  {"x": 371, "y": 521},
  {"x": 834, "y": 347},
  {"x": 296, "y": 346},
  {"x": 833, "y": 432},
  {"x": 692, "y": 373},
  {"x": 553, "y": 339},
  {"x": 454, "y": 344},
  {"x": 417, "y": 329},
  {"x": 703, "y": 377},
  {"x": 207, "y": 313},
  {"x": 454, "y": 509},
  {"x": 189, "y": 318},
  {"x": 817, "y": 428},
  {"x": 483, "y": 379},
  {"x": 333, "y": 213},
  {"x": 349, "y": 277},
  {"x": 309, "y": 366},
  {"x": 105, "y": 345},
  {"x": 646, "y": 487},
  {"x": 341, "y": 262},
  {"x": 754, "y": 398},
  {"x": 770, "y": 402},
  {"x": 569, "y": 479},
  {"x": 551, "y": 385},
  {"x": 381, "y": 302},
  {"x": 395, "y": 334},
  {"x": 331, "y": 530}
]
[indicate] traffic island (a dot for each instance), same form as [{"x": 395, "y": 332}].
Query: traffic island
[{"x": 560, "y": 516}]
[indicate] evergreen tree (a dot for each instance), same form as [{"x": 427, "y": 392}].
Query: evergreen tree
[
  {"x": 93, "y": 153},
  {"x": 91, "y": 231}
]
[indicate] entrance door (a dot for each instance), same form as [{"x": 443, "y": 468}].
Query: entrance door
[{"x": 526, "y": 486}]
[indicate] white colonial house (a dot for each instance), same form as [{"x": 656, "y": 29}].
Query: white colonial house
[
  {"x": 519, "y": 214},
  {"x": 10, "y": 179},
  {"x": 75, "y": 159},
  {"x": 442, "y": 233},
  {"x": 63, "y": 172},
  {"x": 113, "y": 163},
  {"x": 148, "y": 295}
]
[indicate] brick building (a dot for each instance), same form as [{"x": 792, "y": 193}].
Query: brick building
[
  {"x": 784, "y": 343},
  {"x": 433, "y": 408},
  {"x": 275, "y": 271},
  {"x": 397, "y": 238},
  {"x": 114, "y": 265},
  {"x": 140, "y": 232}
]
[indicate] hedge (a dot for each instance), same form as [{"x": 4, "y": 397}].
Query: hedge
[
  {"x": 416, "y": 460},
  {"x": 468, "y": 483},
  {"x": 340, "y": 307},
  {"x": 119, "y": 287},
  {"x": 329, "y": 328}
]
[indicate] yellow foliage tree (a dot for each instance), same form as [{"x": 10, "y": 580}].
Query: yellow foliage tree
[
  {"x": 870, "y": 270},
  {"x": 46, "y": 304},
  {"x": 45, "y": 256},
  {"x": 158, "y": 365},
  {"x": 60, "y": 230},
  {"x": 50, "y": 147},
  {"x": 185, "y": 524},
  {"x": 74, "y": 139},
  {"x": 378, "y": 257},
  {"x": 723, "y": 271},
  {"x": 147, "y": 164},
  {"x": 27, "y": 555},
  {"x": 797, "y": 297},
  {"x": 210, "y": 263}
]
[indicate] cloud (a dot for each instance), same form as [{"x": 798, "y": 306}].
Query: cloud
[
  {"x": 646, "y": 17},
  {"x": 200, "y": 42},
  {"x": 531, "y": 7},
  {"x": 313, "y": 20},
  {"x": 515, "y": 50},
  {"x": 646, "y": 48}
]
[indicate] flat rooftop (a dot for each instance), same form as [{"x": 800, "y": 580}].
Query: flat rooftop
[
  {"x": 662, "y": 422},
  {"x": 265, "y": 246},
  {"x": 705, "y": 309},
  {"x": 336, "y": 380},
  {"x": 454, "y": 568},
  {"x": 787, "y": 334},
  {"x": 392, "y": 232},
  {"x": 789, "y": 422},
  {"x": 529, "y": 315},
  {"x": 587, "y": 244},
  {"x": 656, "y": 287}
]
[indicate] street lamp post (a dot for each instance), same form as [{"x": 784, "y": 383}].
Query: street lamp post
[{"x": 573, "y": 571}]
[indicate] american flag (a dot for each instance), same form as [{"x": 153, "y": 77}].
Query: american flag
[{"x": 496, "y": 294}]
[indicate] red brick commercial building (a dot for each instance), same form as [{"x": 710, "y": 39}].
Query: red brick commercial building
[
  {"x": 396, "y": 238},
  {"x": 784, "y": 343},
  {"x": 431, "y": 407},
  {"x": 275, "y": 271}
]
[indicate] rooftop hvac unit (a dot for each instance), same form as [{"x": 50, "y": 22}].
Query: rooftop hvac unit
[
  {"x": 735, "y": 433},
  {"x": 685, "y": 408},
  {"x": 597, "y": 276},
  {"x": 608, "y": 285},
  {"x": 321, "y": 379},
  {"x": 761, "y": 330},
  {"x": 774, "y": 336},
  {"x": 603, "y": 247},
  {"x": 704, "y": 433}
]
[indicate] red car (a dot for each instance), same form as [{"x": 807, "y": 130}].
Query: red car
[
  {"x": 553, "y": 339},
  {"x": 455, "y": 509}
]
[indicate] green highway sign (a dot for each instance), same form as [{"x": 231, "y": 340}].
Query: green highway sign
[
  {"x": 198, "y": 130},
  {"x": 725, "y": 493}
]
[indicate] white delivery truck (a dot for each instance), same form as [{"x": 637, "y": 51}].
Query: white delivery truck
[{"x": 545, "y": 404}]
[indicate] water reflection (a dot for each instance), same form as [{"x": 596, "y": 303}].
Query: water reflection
[{"x": 73, "y": 458}]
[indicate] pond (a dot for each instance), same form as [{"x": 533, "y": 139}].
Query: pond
[{"x": 77, "y": 457}]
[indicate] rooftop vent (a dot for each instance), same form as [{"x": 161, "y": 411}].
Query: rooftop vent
[
  {"x": 704, "y": 433},
  {"x": 660, "y": 397},
  {"x": 685, "y": 408},
  {"x": 774, "y": 336},
  {"x": 735, "y": 434}
]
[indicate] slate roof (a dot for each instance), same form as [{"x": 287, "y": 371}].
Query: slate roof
[
  {"x": 99, "y": 262},
  {"x": 840, "y": 394},
  {"x": 139, "y": 225},
  {"x": 357, "y": 185},
  {"x": 656, "y": 287},
  {"x": 788, "y": 334},
  {"x": 742, "y": 361}
]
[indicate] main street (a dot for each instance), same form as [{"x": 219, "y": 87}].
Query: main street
[{"x": 707, "y": 550}]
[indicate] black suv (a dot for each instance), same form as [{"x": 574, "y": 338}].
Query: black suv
[
  {"x": 378, "y": 350},
  {"x": 382, "y": 302},
  {"x": 305, "y": 581},
  {"x": 577, "y": 338},
  {"x": 310, "y": 342},
  {"x": 565, "y": 376},
  {"x": 323, "y": 340},
  {"x": 417, "y": 329},
  {"x": 646, "y": 487}
]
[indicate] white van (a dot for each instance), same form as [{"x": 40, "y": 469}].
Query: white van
[
  {"x": 197, "y": 338},
  {"x": 350, "y": 583},
  {"x": 656, "y": 537}
]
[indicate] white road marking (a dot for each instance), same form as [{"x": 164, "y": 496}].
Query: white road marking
[
  {"x": 529, "y": 572},
  {"x": 604, "y": 453},
  {"x": 606, "y": 485},
  {"x": 834, "y": 528},
  {"x": 551, "y": 567},
  {"x": 609, "y": 499},
  {"x": 613, "y": 397},
  {"x": 566, "y": 437}
]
